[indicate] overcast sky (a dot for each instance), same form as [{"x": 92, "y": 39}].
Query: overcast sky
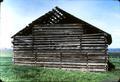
[{"x": 16, "y": 14}]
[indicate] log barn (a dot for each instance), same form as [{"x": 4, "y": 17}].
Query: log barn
[{"x": 60, "y": 40}]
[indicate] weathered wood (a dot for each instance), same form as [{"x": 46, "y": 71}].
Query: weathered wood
[{"x": 61, "y": 47}]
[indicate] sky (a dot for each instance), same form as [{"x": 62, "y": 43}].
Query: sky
[{"x": 16, "y": 14}]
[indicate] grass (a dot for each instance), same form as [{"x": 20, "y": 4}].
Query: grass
[{"x": 13, "y": 73}]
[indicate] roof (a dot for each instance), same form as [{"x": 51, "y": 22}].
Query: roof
[
  {"x": 1, "y": 0},
  {"x": 59, "y": 16}
]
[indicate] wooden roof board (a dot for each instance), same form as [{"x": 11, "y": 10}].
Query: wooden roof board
[{"x": 59, "y": 16}]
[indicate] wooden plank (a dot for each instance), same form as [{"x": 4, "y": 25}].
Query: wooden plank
[
  {"x": 95, "y": 42},
  {"x": 53, "y": 56},
  {"x": 58, "y": 31},
  {"x": 28, "y": 43},
  {"x": 23, "y": 36},
  {"x": 23, "y": 57},
  {"x": 53, "y": 38},
  {"x": 57, "y": 51},
  {"x": 47, "y": 36},
  {"x": 72, "y": 66},
  {"x": 74, "y": 60},
  {"x": 93, "y": 45},
  {"x": 96, "y": 34},
  {"x": 45, "y": 59},
  {"x": 24, "y": 62},
  {"x": 58, "y": 27},
  {"x": 93, "y": 37},
  {"x": 92, "y": 51},
  {"x": 93, "y": 48},
  {"x": 69, "y": 63},
  {"x": 65, "y": 40}
]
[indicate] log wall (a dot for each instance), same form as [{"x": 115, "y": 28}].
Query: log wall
[{"x": 65, "y": 47}]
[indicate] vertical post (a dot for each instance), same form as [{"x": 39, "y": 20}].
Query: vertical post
[
  {"x": 106, "y": 57},
  {"x": 32, "y": 42},
  {"x": 106, "y": 54},
  {"x": 33, "y": 48},
  {"x": 61, "y": 59},
  {"x": 80, "y": 43},
  {"x": 87, "y": 61},
  {"x": 13, "y": 52}
]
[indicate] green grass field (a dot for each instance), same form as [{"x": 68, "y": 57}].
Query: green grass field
[{"x": 13, "y": 73}]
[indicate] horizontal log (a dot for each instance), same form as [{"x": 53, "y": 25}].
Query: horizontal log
[
  {"x": 21, "y": 46},
  {"x": 66, "y": 37},
  {"x": 58, "y": 31},
  {"x": 62, "y": 43},
  {"x": 56, "y": 43},
  {"x": 48, "y": 47},
  {"x": 23, "y": 49},
  {"x": 57, "y": 34},
  {"x": 97, "y": 61},
  {"x": 22, "y": 41},
  {"x": 56, "y": 53},
  {"x": 15, "y": 48},
  {"x": 93, "y": 45},
  {"x": 54, "y": 38},
  {"x": 45, "y": 59},
  {"x": 72, "y": 66},
  {"x": 49, "y": 65},
  {"x": 92, "y": 39},
  {"x": 58, "y": 63},
  {"x": 103, "y": 42},
  {"x": 94, "y": 48},
  {"x": 79, "y": 56},
  {"x": 23, "y": 36},
  {"x": 83, "y": 69},
  {"x": 54, "y": 46},
  {"x": 60, "y": 40},
  {"x": 59, "y": 27},
  {"x": 61, "y": 51},
  {"x": 70, "y": 37},
  {"x": 56, "y": 49},
  {"x": 72, "y": 53},
  {"x": 83, "y": 36},
  {"x": 69, "y": 63},
  {"x": 27, "y": 43},
  {"x": 74, "y": 61},
  {"x": 96, "y": 34},
  {"x": 25, "y": 62},
  {"x": 95, "y": 53},
  {"x": 48, "y": 56},
  {"x": 24, "y": 57}
]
